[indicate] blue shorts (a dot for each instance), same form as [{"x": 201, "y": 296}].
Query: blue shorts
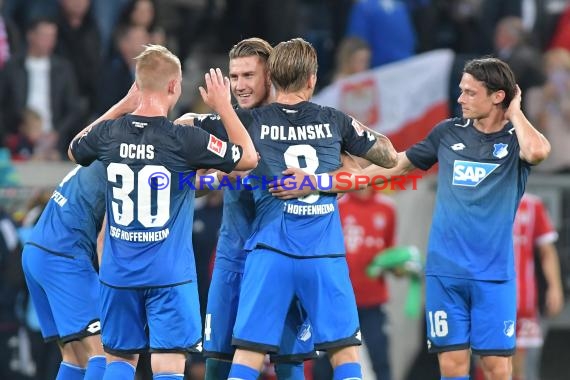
[
  {"x": 65, "y": 294},
  {"x": 270, "y": 284},
  {"x": 462, "y": 314},
  {"x": 172, "y": 315},
  {"x": 221, "y": 312}
]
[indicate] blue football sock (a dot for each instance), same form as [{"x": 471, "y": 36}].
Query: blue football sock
[
  {"x": 168, "y": 376},
  {"x": 455, "y": 378},
  {"x": 119, "y": 370},
  {"x": 242, "y": 372},
  {"x": 217, "y": 369},
  {"x": 95, "y": 368},
  {"x": 348, "y": 371},
  {"x": 68, "y": 371},
  {"x": 290, "y": 371}
]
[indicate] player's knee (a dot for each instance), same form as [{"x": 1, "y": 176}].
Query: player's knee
[
  {"x": 92, "y": 345},
  {"x": 168, "y": 362},
  {"x": 343, "y": 355},
  {"x": 454, "y": 363},
  {"x": 497, "y": 369}
]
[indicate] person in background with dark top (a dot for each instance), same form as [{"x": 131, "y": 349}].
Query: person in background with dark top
[
  {"x": 44, "y": 81},
  {"x": 513, "y": 45},
  {"x": 79, "y": 41},
  {"x": 30, "y": 143},
  {"x": 118, "y": 73}
]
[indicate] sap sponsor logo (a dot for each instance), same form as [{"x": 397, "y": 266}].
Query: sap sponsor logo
[{"x": 471, "y": 174}]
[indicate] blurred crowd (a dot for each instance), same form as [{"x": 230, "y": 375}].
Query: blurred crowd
[{"x": 64, "y": 62}]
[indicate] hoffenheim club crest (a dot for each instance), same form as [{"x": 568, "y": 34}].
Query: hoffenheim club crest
[{"x": 500, "y": 150}]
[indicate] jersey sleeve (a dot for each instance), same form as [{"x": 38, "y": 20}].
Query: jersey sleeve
[
  {"x": 86, "y": 149},
  {"x": 213, "y": 124},
  {"x": 355, "y": 139},
  {"x": 204, "y": 150},
  {"x": 423, "y": 154},
  {"x": 544, "y": 232}
]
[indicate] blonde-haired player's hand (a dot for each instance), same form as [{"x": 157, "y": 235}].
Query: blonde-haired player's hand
[{"x": 217, "y": 92}]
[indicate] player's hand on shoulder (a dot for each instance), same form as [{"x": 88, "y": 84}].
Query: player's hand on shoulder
[
  {"x": 217, "y": 92},
  {"x": 295, "y": 183},
  {"x": 189, "y": 118}
]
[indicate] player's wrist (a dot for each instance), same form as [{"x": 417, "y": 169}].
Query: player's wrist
[
  {"x": 214, "y": 178},
  {"x": 322, "y": 181}
]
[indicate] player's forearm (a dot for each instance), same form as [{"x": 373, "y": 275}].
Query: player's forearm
[
  {"x": 382, "y": 153},
  {"x": 237, "y": 134},
  {"x": 550, "y": 265},
  {"x": 534, "y": 147},
  {"x": 378, "y": 174}
]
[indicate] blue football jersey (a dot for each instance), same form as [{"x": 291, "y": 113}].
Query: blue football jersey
[
  {"x": 481, "y": 179},
  {"x": 73, "y": 216},
  {"x": 310, "y": 137},
  {"x": 237, "y": 214},
  {"x": 150, "y": 166}
]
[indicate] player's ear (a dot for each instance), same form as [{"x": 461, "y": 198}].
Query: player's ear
[
  {"x": 172, "y": 86},
  {"x": 312, "y": 81},
  {"x": 498, "y": 97}
]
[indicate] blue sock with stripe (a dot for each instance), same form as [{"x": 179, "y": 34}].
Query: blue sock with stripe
[
  {"x": 95, "y": 368},
  {"x": 119, "y": 370},
  {"x": 68, "y": 371},
  {"x": 346, "y": 371},
  {"x": 242, "y": 372}
]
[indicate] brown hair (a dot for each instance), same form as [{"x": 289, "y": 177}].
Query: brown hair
[
  {"x": 495, "y": 74},
  {"x": 291, "y": 64},
  {"x": 251, "y": 47}
]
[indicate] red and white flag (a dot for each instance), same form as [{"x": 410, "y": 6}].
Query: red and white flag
[{"x": 403, "y": 100}]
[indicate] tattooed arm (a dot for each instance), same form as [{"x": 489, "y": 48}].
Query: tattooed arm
[{"x": 382, "y": 152}]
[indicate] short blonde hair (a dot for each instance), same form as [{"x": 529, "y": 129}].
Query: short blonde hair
[{"x": 155, "y": 67}]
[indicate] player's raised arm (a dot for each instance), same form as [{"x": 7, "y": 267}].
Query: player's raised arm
[
  {"x": 217, "y": 95},
  {"x": 127, "y": 104},
  {"x": 534, "y": 147}
]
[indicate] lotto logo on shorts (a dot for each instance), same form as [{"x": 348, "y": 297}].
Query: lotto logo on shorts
[
  {"x": 471, "y": 174},
  {"x": 94, "y": 327},
  {"x": 217, "y": 146}
]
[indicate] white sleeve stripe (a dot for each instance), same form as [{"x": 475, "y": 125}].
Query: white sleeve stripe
[{"x": 549, "y": 237}]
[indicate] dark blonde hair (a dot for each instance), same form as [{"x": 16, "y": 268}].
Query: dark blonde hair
[
  {"x": 291, "y": 64},
  {"x": 251, "y": 47},
  {"x": 155, "y": 67}
]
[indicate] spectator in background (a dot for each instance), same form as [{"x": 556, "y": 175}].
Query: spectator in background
[
  {"x": 549, "y": 107},
  {"x": 30, "y": 143},
  {"x": 143, "y": 13},
  {"x": 79, "y": 41},
  {"x": 353, "y": 56},
  {"x": 118, "y": 73},
  {"x": 369, "y": 227},
  {"x": 43, "y": 81},
  {"x": 9, "y": 38},
  {"x": 534, "y": 234},
  {"x": 386, "y": 26},
  {"x": 513, "y": 46}
]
